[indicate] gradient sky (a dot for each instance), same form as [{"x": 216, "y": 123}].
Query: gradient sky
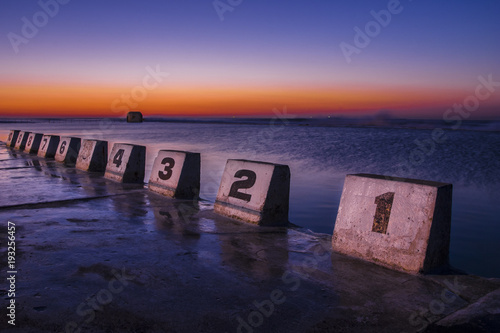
[{"x": 92, "y": 55}]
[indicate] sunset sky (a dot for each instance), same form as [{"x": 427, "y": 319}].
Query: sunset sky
[{"x": 246, "y": 57}]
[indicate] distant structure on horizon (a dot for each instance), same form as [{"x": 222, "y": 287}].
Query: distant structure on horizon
[{"x": 134, "y": 117}]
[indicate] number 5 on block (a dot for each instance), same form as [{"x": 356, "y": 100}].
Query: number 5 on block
[
  {"x": 176, "y": 174},
  {"x": 126, "y": 163},
  {"x": 255, "y": 192}
]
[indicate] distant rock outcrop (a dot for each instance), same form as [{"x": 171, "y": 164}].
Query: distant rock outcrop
[{"x": 134, "y": 117}]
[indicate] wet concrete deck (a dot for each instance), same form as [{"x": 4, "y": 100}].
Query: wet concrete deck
[{"x": 93, "y": 255}]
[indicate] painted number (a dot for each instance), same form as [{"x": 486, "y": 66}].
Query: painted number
[
  {"x": 383, "y": 212},
  {"x": 29, "y": 141},
  {"x": 44, "y": 143},
  {"x": 242, "y": 184},
  {"x": 63, "y": 147},
  {"x": 117, "y": 160},
  {"x": 167, "y": 171}
]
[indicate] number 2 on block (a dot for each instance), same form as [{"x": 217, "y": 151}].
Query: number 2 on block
[{"x": 242, "y": 184}]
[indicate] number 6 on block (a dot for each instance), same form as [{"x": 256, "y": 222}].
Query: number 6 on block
[
  {"x": 67, "y": 151},
  {"x": 126, "y": 163},
  {"x": 176, "y": 174},
  {"x": 255, "y": 192}
]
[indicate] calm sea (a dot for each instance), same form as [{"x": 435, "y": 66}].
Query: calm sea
[{"x": 320, "y": 157}]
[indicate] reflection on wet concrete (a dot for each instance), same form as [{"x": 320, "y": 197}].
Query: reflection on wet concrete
[
  {"x": 261, "y": 256},
  {"x": 178, "y": 217},
  {"x": 189, "y": 270},
  {"x": 132, "y": 209}
]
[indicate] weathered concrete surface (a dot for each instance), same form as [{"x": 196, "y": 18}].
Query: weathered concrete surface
[
  {"x": 400, "y": 223},
  {"x": 111, "y": 257},
  {"x": 254, "y": 192},
  {"x": 93, "y": 156},
  {"x": 176, "y": 174}
]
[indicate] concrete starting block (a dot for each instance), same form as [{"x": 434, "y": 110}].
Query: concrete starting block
[
  {"x": 67, "y": 151},
  {"x": 126, "y": 163},
  {"x": 93, "y": 156},
  {"x": 255, "y": 192},
  {"x": 12, "y": 138},
  {"x": 48, "y": 146},
  {"x": 22, "y": 138},
  {"x": 403, "y": 224},
  {"x": 176, "y": 174},
  {"x": 33, "y": 143}
]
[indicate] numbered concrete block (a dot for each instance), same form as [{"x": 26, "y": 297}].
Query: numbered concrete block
[
  {"x": 93, "y": 156},
  {"x": 67, "y": 150},
  {"x": 33, "y": 143},
  {"x": 12, "y": 138},
  {"x": 255, "y": 192},
  {"x": 48, "y": 146},
  {"x": 126, "y": 163},
  {"x": 176, "y": 174},
  {"x": 22, "y": 138},
  {"x": 403, "y": 224}
]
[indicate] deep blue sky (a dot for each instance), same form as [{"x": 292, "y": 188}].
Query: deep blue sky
[{"x": 429, "y": 49}]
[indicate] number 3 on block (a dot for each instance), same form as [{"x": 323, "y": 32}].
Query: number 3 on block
[
  {"x": 255, "y": 192},
  {"x": 126, "y": 163},
  {"x": 176, "y": 174}
]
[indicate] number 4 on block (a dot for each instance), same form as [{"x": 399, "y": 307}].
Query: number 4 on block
[
  {"x": 126, "y": 163},
  {"x": 254, "y": 192}
]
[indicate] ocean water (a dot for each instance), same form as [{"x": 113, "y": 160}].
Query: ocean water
[{"x": 319, "y": 159}]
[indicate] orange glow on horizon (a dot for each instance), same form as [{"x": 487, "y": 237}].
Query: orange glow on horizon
[{"x": 105, "y": 101}]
